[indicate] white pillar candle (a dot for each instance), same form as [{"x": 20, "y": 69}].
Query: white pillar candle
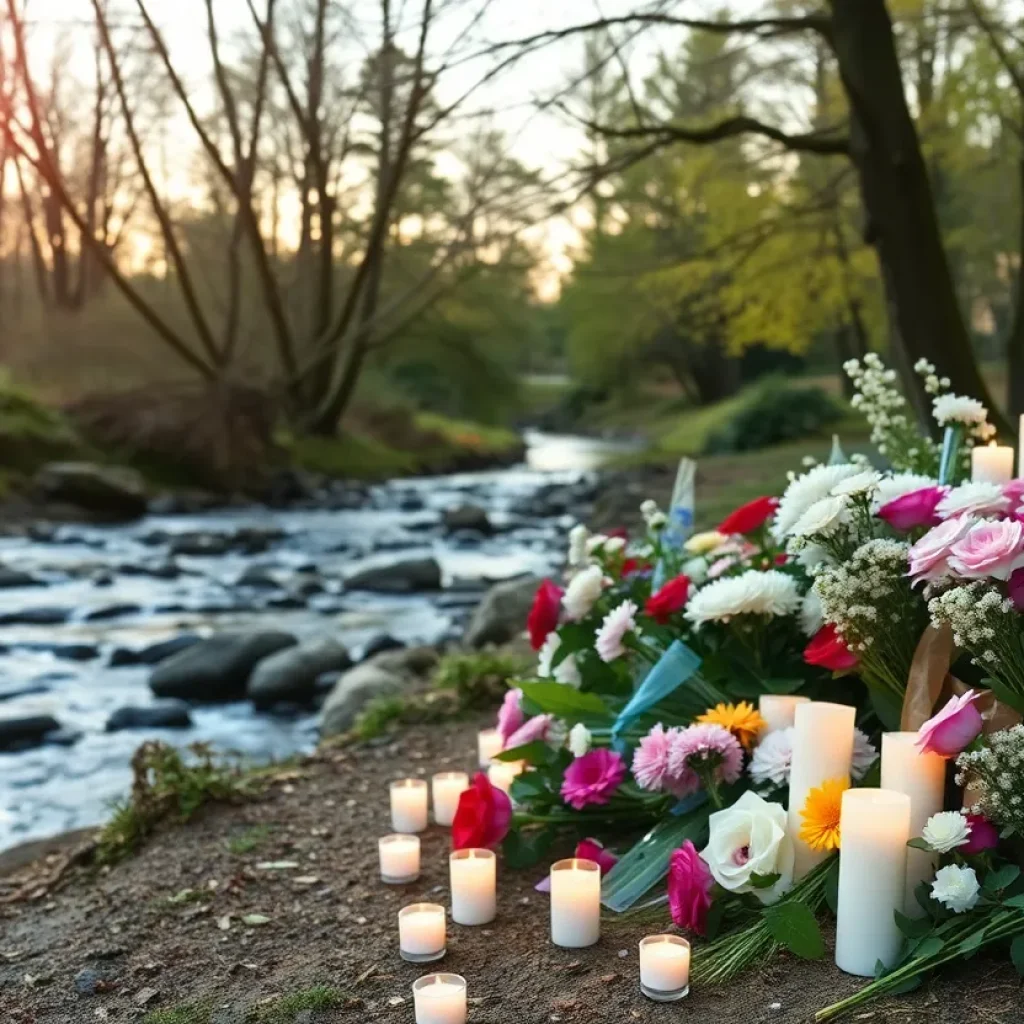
[
  {"x": 488, "y": 746},
  {"x": 474, "y": 882},
  {"x": 664, "y": 967},
  {"x": 874, "y": 826},
  {"x": 922, "y": 777},
  {"x": 575, "y": 903},
  {"x": 822, "y": 750},
  {"x": 445, "y": 790},
  {"x": 409, "y": 805},
  {"x": 501, "y": 773},
  {"x": 778, "y": 710},
  {"x": 440, "y": 999},
  {"x": 421, "y": 933},
  {"x": 992, "y": 464},
  {"x": 399, "y": 859}
]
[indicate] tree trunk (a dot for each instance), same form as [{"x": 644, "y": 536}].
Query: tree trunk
[
  {"x": 1015, "y": 337},
  {"x": 898, "y": 199}
]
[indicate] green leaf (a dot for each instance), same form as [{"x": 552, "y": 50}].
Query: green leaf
[
  {"x": 972, "y": 943},
  {"x": 832, "y": 886},
  {"x": 904, "y": 987},
  {"x": 913, "y": 927},
  {"x": 764, "y": 881},
  {"x": 528, "y": 786},
  {"x": 920, "y": 844},
  {"x": 928, "y": 948},
  {"x": 783, "y": 686},
  {"x": 713, "y": 923},
  {"x": 525, "y": 849},
  {"x": 564, "y": 701},
  {"x": 1017, "y": 902},
  {"x": 1017, "y": 953},
  {"x": 532, "y": 753},
  {"x": 1001, "y": 878},
  {"x": 793, "y": 925}
]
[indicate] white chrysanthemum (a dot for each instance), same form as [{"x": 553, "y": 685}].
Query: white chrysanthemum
[
  {"x": 566, "y": 671},
  {"x": 811, "y": 617},
  {"x": 863, "y": 483},
  {"x": 696, "y": 569},
  {"x": 958, "y": 409},
  {"x": 865, "y": 754},
  {"x": 596, "y": 541},
  {"x": 946, "y": 831},
  {"x": 583, "y": 591},
  {"x": 956, "y": 888},
  {"x": 702, "y": 543},
  {"x": 613, "y": 545},
  {"x": 579, "y": 740},
  {"x": 578, "y": 545},
  {"x": 804, "y": 491},
  {"x": 771, "y": 760},
  {"x": 750, "y": 593},
  {"x": 892, "y": 487},
  {"x": 810, "y": 556},
  {"x": 612, "y": 631},
  {"x": 976, "y": 498},
  {"x": 821, "y": 518}
]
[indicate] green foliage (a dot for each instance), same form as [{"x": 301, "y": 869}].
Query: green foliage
[
  {"x": 31, "y": 433},
  {"x": 189, "y": 1013},
  {"x": 477, "y": 677},
  {"x": 794, "y": 926},
  {"x": 774, "y": 413},
  {"x": 381, "y": 714},
  {"x": 249, "y": 840},
  {"x": 351, "y": 456},
  {"x": 285, "y": 1009},
  {"x": 168, "y": 785}
]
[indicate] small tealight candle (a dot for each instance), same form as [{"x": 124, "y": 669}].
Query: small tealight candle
[
  {"x": 778, "y": 710},
  {"x": 445, "y": 789},
  {"x": 474, "y": 883},
  {"x": 488, "y": 746},
  {"x": 421, "y": 933},
  {"x": 399, "y": 859},
  {"x": 501, "y": 773},
  {"x": 440, "y": 999},
  {"x": 575, "y": 903},
  {"x": 992, "y": 464},
  {"x": 664, "y": 967},
  {"x": 409, "y": 805}
]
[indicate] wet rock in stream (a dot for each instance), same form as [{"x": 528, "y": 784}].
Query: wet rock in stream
[
  {"x": 290, "y": 675},
  {"x": 402, "y": 577},
  {"x": 18, "y": 733},
  {"x": 114, "y": 492},
  {"x": 500, "y": 616},
  {"x": 172, "y": 714},
  {"x": 154, "y": 653}
]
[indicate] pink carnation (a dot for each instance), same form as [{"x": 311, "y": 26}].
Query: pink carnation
[
  {"x": 592, "y": 778},
  {"x": 617, "y": 623},
  {"x": 1014, "y": 490},
  {"x": 533, "y": 729},
  {"x": 689, "y": 888},
  {"x": 989, "y": 550},
  {"x": 650, "y": 761},
  {"x": 950, "y": 731},
  {"x": 696, "y": 747},
  {"x": 909, "y": 511},
  {"x": 510, "y": 714},
  {"x": 928, "y": 556}
]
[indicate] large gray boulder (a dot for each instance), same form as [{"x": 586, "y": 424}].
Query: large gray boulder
[
  {"x": 291, "y": 674},
  {"x": 467, "y": 517},
  {"x": 383, "y": 676},
  {"x": 402, "y": 577},
  {"x": 115, "y": 492},
  {"x": 218, "y": 668},
  {"x": 501, "y": 614},
  {"x": 19, "y": 733}
]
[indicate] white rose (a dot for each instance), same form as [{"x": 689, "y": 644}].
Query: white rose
[
  {"x": 956, "y": 888},
  {"x": 579, "y": 740},
  {"x": 946, "y": 831},
  {"x": 749, "y": 839},
  {"x": 583, "y": 591}
]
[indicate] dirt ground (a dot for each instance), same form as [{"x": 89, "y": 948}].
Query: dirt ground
[{"x": 165, "y": 931}]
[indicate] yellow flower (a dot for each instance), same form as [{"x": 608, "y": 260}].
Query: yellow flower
[
  {"x": 820, "y": 828},
  {"x": 743, "y": 720},
  {"x": 702, "y": 543}
]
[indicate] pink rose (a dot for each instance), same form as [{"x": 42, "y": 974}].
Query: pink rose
[
  {"x": 510, "y": 715},
  {"x": 928, "y": 556},
  {"x": 950, "y": 731},
  {"x": 984, "y": 836},
  {"x": 1014, "y": 490},
  {"x": 592, "y": 778},
  {"x": 535, "y": 728},
  {"x": 689, "y": 888},
  {"x": 989, "y": 550},
  {"x": 912, "y": 510}
]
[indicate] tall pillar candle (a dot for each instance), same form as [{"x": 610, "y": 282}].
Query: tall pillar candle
[
  {"x": 445, "y": 790},
  {"x": 778, "y": 710},
  {"x": 575, "y": 903},
  {"x": 922, "y": 777},
  {"x": 489, "y": 745},
  {"x": 822, "y": 750},
  {"x": 992, "y": 464},
  {"x": 409, "y": 805},
  {"x": 440, "y": 999},
  {"x": 875, "y": 828},
  {"x": 474, "y": 883}
]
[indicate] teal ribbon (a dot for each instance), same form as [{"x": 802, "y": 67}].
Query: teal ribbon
[{"x": 949, "y": 471}]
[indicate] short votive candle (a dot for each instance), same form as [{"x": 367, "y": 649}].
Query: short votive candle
[
  {"x": 421, "y": 932},
  {"x": 501, "y": 773},
  {"x": 664, "y": 967},
  {"x": 575, "y": 903},
  {"x": 445, "y": 790},
  {"x": 440, "y": 999},
  {"x": 474, "y": 885},
  {"x": 488, "y": 746},
  {"x": 409, "y": 805},
  {"x": 875, "y": 828},
  {"x": 399, "y": 859},
  {"x": 992, "y": 464},
  {"x": 778, "y": 710}
]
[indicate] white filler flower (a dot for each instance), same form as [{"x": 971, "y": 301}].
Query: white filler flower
[
  {"x": 956, "y": 888},
  {"x": 946, "y": 831},
  {"x": 578, "y": 545},
  {"x": 579, "y": 740},
  {"x": 583, "y": 591}
]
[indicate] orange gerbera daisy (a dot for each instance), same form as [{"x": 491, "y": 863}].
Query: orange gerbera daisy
[
  {"x": 743, "y": 720},
  {"x": 820, "y": 828}
]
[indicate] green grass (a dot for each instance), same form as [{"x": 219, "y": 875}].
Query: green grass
[
  {"x": 350, "y": 456},
  {"x": 286, "y": 1008},
  {"x": 463, "y": 435},
  {"x": 249, "y": 840},
  {"x": 189, "y": 1013}
]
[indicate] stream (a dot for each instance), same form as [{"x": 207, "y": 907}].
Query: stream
[{"x": 99, "y": 594}]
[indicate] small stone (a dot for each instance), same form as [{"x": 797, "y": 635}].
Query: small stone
[
  {"x": 89, "y": 982},
  {"x": 623, "y": 953},
  {"x": 396, "y": 1001},
  {"x": 145, "y": 996},
  {"x": 255, "y": 921},
  {"x": 224, "y": 923}
]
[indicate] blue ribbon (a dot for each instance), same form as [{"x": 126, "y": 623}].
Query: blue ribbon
[{"x": 674, "y": 667}]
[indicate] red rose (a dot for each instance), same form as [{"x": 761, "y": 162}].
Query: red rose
[
  {"x": 618, "y": 531},
  {"x": 543, "y": 617},
  {"x": 827, "y": 650},
  {"x": 747, "y": 518},
  {"x": 632, "y": 565},
  {"x": 482, "y": 817},
  {"x": 662, "y": 605}
]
